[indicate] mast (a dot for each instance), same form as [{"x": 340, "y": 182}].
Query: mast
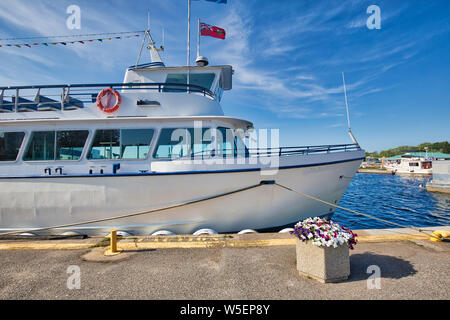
[
  {"x": 188, "y": 43},
  {"x": 154, "y": 55},
  {"x": 348, "y": 116}
]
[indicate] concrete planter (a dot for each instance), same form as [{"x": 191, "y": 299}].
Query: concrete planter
[{"x": 324, "y": 264}]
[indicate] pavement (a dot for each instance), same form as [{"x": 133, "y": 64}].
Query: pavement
[{"x": 261, "y": 266}]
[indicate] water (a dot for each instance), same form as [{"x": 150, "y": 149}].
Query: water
[{"x": 396, "y": 198}]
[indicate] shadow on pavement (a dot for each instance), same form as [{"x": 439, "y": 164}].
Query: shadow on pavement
[{"x": 390, "y": 267}]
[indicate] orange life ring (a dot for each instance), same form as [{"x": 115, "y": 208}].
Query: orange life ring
[{"x": 105, "y": 108}]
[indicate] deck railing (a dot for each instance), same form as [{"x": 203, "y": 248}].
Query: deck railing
[
  {"x": 75, "y": 96},
  {"x": 305, "y": 150},
  {"x": 268, "y": 152}
]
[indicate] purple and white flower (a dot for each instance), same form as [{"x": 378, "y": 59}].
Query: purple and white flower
[{"x": 323, "y": 232}]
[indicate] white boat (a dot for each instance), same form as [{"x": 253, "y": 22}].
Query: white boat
[
  {"x": 408, "y": 164},
  {"x": 71, "y": 155}
]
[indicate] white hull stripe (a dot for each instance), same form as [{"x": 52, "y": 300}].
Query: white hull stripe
[{"x": 180, "y": 172}]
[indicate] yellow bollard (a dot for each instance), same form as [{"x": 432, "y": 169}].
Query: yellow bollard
[
  {"x": 438, "y": 235},
  {"x": 113, "y": 244},
  {"x": 113, "y": 241}
]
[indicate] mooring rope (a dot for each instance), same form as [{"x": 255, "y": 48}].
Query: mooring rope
[
  {"x": 353, "y": 211},
  {"x": 262, "y": 183}
]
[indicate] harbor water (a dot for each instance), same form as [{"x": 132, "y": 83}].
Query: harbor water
[{"x": 399, "y": 199}]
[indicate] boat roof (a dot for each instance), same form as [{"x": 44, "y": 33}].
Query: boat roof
[
  {"x": 235, "y": 122},
  {"x": 226, "y": 71}
]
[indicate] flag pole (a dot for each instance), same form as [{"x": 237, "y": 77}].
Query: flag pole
[
  {"x": 198, "y": 39},
  {"x": 188, "y": 43}
]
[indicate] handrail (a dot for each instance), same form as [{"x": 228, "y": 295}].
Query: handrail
[
  {"x": 114, "y": 84},
  {"x": 85, "y": 93},
  {"x": 261, "y": 152},
  {"x": 160, "y": 86}
]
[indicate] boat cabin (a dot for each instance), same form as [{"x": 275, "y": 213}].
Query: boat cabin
[{"x": 216, "y": 79}]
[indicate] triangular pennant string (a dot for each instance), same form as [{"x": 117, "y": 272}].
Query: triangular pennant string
[{"x": 64, "y": 43}]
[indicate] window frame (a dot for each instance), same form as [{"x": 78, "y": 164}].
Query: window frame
[
  {"x": 150, "y": 145},
  {"x": 208, "y": 125},
  {"x": 212, "y": 87},
  {"x": 29, "y": 136},
  {"x": 84, "y": 146},
  {"x": 175, "y": 127},
  {"x": 19, "y": 153},
  {"x": 235, "y": 152}
]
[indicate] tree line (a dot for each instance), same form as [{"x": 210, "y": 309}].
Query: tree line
[{"x": 443, "y": 147}]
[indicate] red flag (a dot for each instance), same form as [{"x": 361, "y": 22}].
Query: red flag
[{"x": 212, "y": 31}]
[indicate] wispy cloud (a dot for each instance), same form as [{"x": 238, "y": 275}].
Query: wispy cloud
[
  {"x": 44, "y": 18},
  {"x": 273, "y": 83}
]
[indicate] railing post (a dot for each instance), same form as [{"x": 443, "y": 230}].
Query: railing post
[
  {"x": 16, "y": 102},
  {"x": 63, "y": 94}
]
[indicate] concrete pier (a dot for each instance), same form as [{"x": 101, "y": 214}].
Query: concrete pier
[
  {"x": 377, "y": 171},
  {"x": 250, "y": 266}
]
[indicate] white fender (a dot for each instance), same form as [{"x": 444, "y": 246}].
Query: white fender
[
  {"x": 162, "y": 233},
  {"x": 245, "y": 231},
  {"x": 123, "y": 233},
  {"x": 70, "y": 233},
  {"x": 30, "y": 234},
  {"x": 204, "y": 231},
  {"x": 286, "y": 230}
]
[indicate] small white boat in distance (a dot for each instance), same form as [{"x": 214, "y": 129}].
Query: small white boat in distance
[
  {"x": 112, "y": 153},
  {"x": 409, "y": 164}
]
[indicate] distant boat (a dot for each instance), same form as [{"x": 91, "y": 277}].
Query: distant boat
[{"x": 413, "y": 163}]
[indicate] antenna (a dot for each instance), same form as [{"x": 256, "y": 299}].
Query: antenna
[
  {"x": 348, "y": 116},
  {"x": 154, "y": 55}
]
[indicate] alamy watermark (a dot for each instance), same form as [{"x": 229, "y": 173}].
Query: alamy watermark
[
  {"x": 374, "y": 20},
  {"x": 221, "y": 146},
  {"x": 374, "y": 280},
  {"x": 74, "y": 279},
  {"x": 74, "y": 20}
]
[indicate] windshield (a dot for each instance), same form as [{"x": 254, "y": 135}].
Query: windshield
[{"x": 204, "y": 80}]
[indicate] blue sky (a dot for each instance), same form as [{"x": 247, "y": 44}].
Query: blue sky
[{"x": 288, "y": 57}]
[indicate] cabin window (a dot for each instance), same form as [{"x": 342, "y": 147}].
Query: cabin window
[
  {"x": 204, "y": 80},
  {"x": 426, "y": 165},
  {"x": 106, "y": 145},
  {"x": 41, "y": 146},
  {"x": 183, "y": 142},
  {"x": 229, "y": 144},
  {"x": 10, "y": 143},
  {"x": 56, "y": 145},
  {"x": 135, "y": 143},
  {"x": 240, "y": 147},
  {"x": 225, "y": 145},
  {"x": 70, "y": 144},
  {"x": 121, "y": 144}
]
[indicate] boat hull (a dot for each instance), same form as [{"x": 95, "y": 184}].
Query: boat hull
[{"x": 28, "y": 203}]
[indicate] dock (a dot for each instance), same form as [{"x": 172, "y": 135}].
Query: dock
[{"x": 228, "y": 266}]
